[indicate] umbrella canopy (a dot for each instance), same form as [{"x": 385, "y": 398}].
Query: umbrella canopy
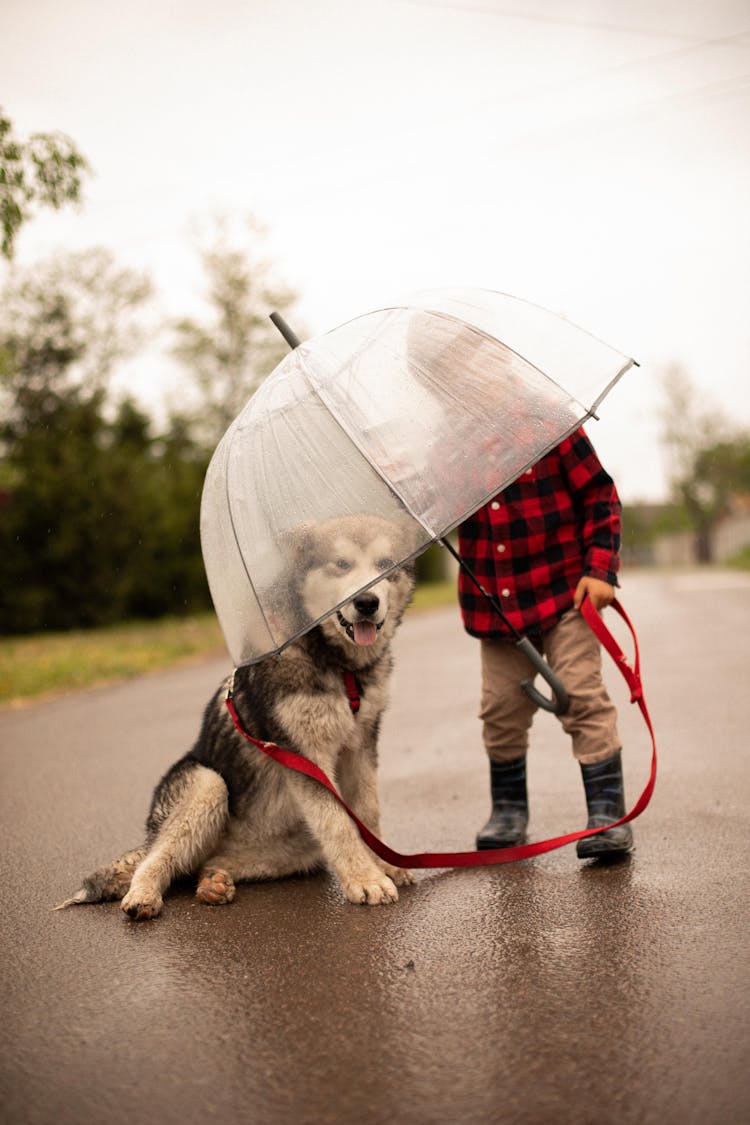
[{"x": 416, "y": 414}]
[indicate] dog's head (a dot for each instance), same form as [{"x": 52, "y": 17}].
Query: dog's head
[{"x": 355, "y": 556}]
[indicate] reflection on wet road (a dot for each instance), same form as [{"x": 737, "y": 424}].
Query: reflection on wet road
[{"x": 547, "y": 991}]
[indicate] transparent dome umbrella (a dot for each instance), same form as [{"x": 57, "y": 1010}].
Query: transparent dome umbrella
[{"x": 416, "y": 414}]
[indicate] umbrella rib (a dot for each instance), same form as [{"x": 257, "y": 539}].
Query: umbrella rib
[
  {"x": 332, "y": 409},
  {"x": 611, "y": 384},
  {"x": 241, "y": 553}
]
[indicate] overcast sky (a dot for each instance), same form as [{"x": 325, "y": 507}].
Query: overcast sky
[{"x": 593, "y": 157}]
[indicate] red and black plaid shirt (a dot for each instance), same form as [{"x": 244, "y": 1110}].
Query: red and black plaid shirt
[{"x": 531, "y": 545}]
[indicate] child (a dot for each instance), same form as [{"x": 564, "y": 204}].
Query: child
[{"x": 540, "y": 546}]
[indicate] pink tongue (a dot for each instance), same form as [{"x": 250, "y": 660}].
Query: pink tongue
[{"x": 365, "y": 633}]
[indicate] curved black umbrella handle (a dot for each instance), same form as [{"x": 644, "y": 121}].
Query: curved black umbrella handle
[{"x": 560, "y": 701}]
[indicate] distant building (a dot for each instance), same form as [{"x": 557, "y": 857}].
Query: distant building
[{"x": 730, "y": 535}]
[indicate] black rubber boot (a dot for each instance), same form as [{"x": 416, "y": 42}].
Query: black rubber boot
[
  {"x": 605, "y": 798},
  {"x": 510, "y": 810}
]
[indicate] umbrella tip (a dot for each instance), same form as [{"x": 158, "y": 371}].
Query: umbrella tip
[{"x": 291, "y": 337}]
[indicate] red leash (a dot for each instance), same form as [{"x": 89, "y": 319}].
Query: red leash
[{"x": 632, "y": 677}]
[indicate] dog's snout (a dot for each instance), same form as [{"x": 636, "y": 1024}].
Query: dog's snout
[{"x": 367, "y": 604}]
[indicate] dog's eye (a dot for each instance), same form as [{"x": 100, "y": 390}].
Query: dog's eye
[
  {"x": 384, "y": 564},
  {"x": 343, "y": 564}
]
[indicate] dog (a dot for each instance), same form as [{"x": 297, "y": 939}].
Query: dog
[{"x": 226, "y": 812}]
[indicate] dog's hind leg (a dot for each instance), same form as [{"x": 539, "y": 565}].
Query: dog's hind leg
[
  {"x": 187, "y": 819},
  {"x": 109, "y": 882}
]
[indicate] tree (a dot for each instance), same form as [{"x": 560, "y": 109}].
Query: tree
[
  {"x": 229, "y": 354},
  {"x": 709, "y": 458},
  {"x": 71, "y": 319},
  {"x": 98, "y": 519},
  {"x": 46, "y": 170},
  {"x": 727, "y": 466}
]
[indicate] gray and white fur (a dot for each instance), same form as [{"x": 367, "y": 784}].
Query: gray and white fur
[{"x": 227, "y": 813}]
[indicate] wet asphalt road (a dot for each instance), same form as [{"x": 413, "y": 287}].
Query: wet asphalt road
[{"x": 541, "y": 992}]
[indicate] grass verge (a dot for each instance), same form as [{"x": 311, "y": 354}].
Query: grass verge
[
  {"x": 53, "y": 662},
  {"x": 50, "y": 663}
]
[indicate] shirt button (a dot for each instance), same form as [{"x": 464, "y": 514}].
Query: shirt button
[
  {"x": 528, "y": 472},
  {"x": 505, "y": 593},
  {"x": 494, "y": 505},
  {"x": 501, "y": 548}
]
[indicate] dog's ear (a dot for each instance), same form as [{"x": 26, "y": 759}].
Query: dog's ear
[
  {"x": 405, "y": 538},
  {"x": 298, "y": 545},
  {"x": 410, "y": 538}
]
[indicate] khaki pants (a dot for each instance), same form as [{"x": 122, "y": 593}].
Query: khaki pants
[{"x": 574, "y": 654}]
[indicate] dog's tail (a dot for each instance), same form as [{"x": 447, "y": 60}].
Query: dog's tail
[{"x": 107, "y": 883}]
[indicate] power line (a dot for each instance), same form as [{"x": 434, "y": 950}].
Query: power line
[
  {"x": 722, "y": 90},
  {"x": 691, "y": 46},
  {"x": 538, "y": 17},
  {"x": 676, "y": 102},
  {"x": 725, "y": 89}
]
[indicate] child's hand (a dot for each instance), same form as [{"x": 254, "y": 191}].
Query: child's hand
[{"x": 600, "y": 593}]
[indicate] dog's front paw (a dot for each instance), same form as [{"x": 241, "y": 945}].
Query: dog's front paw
[
  {"x": 375, "y": 890},
  {"x": 216, "y": 887},
  {"x": 141, "y": 907}
]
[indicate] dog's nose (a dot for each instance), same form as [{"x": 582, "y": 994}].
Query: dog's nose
[{"x": 367, "y": 604}]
